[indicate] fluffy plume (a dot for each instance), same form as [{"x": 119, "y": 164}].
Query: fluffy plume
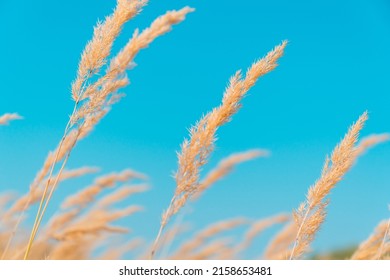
[
  {"x": 196, "y": 151},
  {"x": 377, "y": 246},
  {"x": 370, "y": 141},
  {"x": 85, "y": 196},
  {"x": 6, "y": 118},
  {"x": 257, "y": 228},
  {"x": 225, "y": 166},
  {"x": 101, "y": 94},
  {"x": 310, "y": 214},
  {"x": 189, "y": 248}
]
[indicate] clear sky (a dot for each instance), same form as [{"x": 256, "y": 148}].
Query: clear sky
[{"x": 335, "y": 67}]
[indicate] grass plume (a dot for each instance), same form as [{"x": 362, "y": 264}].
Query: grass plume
[
  {"x": 196, "y": 151},
  {"x": 6, "y": 118},
  {"x": 94, "y": 222},
  {"x": 311, "y": 214}
]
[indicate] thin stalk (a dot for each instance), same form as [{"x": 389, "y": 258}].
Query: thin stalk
[
  {"x": 55, "y": 184},
  {"x": 39, "y": 214},
  {"x": 299, "y": 232},
  {"x": 162, "y": 226},
  {"x": 179, "y": 220},
  {"x": 35, "y": 230},
  {"x": 32, "y": 235}
]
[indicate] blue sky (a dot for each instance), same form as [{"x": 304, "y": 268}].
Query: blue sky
[{"x": 335, "y": 67}]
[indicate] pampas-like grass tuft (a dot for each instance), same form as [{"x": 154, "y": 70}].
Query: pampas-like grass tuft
[{"x": 89, "y": 219}]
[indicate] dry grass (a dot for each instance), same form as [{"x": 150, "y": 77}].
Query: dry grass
[
  {"x": 377, "y": 246},
  {"x": 311, "y": 214},
  {"x": 6, "y": 118},
  {"x": 87, "y": 220},
  {"x": 226, "y": 166},
  {"x": 196, "y": 151}
]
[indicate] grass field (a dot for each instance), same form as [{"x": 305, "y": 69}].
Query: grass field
[{"x": 86, "y": 224}]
